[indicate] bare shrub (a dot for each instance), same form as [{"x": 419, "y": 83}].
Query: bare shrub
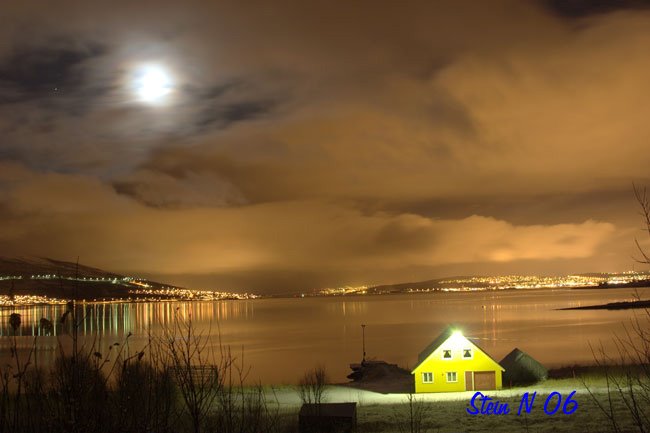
[
  {"x": 626, "y": 400},
  {"x": 191, "y": 363},
  {"x": 144, "y": 397},
  {"x": 79, "y": 395},
  {"x": 313, "y": 385},
  {"x": 211, "y": 383},
  {"x": 413, "y": 421}
]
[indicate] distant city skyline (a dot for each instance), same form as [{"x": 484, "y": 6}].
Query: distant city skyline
[{"x": 280, "y": 145}]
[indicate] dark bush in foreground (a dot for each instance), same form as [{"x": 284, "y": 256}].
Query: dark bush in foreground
[{"x": 176, "y": 385}]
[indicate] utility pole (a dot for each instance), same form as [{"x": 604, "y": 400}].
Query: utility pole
[{"x": 363, "y": 339}]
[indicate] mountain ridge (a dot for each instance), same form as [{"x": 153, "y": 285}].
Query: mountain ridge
[{"x": 59, "y": 279}]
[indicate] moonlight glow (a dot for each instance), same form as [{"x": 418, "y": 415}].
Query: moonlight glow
[{"x": 152, "y": 84}]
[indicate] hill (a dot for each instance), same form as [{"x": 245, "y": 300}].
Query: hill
[
  {"x": 504, "y": 282},
  {"x": 427, "y": 285},
  {"x": 27, "y": 280}
]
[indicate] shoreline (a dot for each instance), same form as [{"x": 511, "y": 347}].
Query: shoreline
[{"x": 625, "y": 305}]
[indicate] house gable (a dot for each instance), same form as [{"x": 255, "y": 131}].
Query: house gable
[{"x": 456, "y": 343}]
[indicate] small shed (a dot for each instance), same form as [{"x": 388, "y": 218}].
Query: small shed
[
  {"x": 522, "y": 369},
  {"x": 328, "y": 417}
]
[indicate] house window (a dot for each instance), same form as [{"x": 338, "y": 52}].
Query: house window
[
  {"x": 467, "y": 354},
  {"x": 427, "y": 377},
  {"x": 446, "y": 354},
  {"x": 452, "y": 376}
]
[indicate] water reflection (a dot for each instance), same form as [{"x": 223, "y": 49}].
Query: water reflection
[
  {"x": 119, "y": 319},
  {"x": 281, "y": 338},
  {"x": 345, "y": 307}
]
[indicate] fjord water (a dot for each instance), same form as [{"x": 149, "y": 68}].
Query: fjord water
[{"x": 280, "y": 338}]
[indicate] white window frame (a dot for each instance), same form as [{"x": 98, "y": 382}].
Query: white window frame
[
  {"x": 449, "y": 373},
  {"x": 451, "y": 354},
  {"x": 424, "y": 377},
  {"x": 471, "y": 353}
]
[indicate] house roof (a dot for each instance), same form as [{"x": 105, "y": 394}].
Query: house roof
[
  {"x": 435, "y": 344},
  {"x": 422, "y": 356}
]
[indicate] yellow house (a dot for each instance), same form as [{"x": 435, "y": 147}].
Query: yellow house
[{"x": 453, "y": 363}]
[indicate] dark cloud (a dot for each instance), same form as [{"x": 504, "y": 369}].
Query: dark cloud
[
  {"x": 46, "y": 72},
  {"x": 584, "y": 8},
  {"x": 224, "y": 116},
  {"x": 180, "y": 190},
  {"x": 524, "y": 208},
  {"x": 241, "y": 111},
  {"x": 401, "y": 235}
]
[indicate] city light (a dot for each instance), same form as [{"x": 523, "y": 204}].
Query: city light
[
  {"x": 136, "y": 290},
  {"x": 502, "y": 282}
]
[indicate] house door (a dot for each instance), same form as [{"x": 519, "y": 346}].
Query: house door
[
  {"x": 469, "y": 381},
  {"x": 485, "y": 380}
]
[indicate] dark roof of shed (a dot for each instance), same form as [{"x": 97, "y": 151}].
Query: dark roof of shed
[{"x": 519, "y": 357}]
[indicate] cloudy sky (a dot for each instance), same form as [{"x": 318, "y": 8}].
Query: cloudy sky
[{"x": 319, "y": 143}]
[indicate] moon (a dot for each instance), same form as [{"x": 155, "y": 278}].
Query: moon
[{"x": 152, "y": 84}]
